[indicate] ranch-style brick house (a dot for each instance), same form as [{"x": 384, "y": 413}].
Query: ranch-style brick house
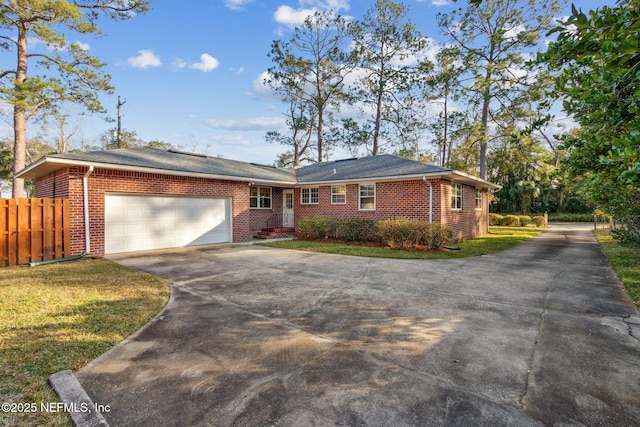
[{"x": 148, "y": 198}]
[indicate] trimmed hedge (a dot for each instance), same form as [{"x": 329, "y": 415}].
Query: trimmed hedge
[
  {"x": 410, "y": 233},
  {"x": 515, "y": 220},
  {"x": 355, "y": 230},
  {"x": 399, "y": 232},
  {"x": 538, "y": 220},
  {"x": 316, "y": 227}
]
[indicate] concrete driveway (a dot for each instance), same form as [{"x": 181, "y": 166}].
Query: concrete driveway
[{"x": 542, "y": 334}]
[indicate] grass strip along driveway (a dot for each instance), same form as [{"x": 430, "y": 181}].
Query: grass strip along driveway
[
  {"x": 61, "y": 316},
  {"x": 625, "y": 261}
]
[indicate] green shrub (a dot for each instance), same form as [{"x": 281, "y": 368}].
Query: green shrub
[
  {"x": 568, "y": 217},
  {"x": 397, "y": 232},
  {"x": 495, "y": 219},
  {"x": 315, "y": 227},
  {"x": 524, "y": 220},
  {"x": 407, "y": 234},
  {"x": 538, "y": 220},
  {"x": 510, "y": 221},
  {"x": 437, "y": 236},
  {"x": 355, "y": 229}
]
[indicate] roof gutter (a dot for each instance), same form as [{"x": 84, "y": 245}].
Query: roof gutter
[{"x": 452, "y": 175}]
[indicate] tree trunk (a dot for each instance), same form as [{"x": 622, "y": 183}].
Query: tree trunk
[
  {"x": 484, "y": 136},
  {"x": 319, "y": 134},
  {"x": 446, "y": 127},
  {"x": 19, "y": 120},
  {"x": 376, "y": 130}
]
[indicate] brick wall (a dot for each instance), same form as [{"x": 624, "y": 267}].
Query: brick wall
[
  {"x": 407, "y": 199},
  {"x": 105, "y": 181},
  {"x": 259, "y": 217},
  {"x": 468, "y": 222}
]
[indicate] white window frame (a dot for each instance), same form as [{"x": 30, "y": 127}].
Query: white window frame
[
  {"x": 259, "y": 199},
  {"x": 338, "y": 194},
  {"x": 309, "y": 196},
  {"x": 361, "y": 197},
  {"x": 479, "y": 199},
  {"x": 456, "y": 196}
]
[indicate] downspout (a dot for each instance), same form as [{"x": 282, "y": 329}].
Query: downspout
[
  {"x": 85, "y": 191},
  {"x": 424, "y": 178}
]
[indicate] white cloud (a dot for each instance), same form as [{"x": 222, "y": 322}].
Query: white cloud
[
  {"x": 291, "y": 17},
  {"x": 440, "y": 2},
  {"x": 236, "y": 4},
  {"x": 145, "y": 59},
  {"x": 513, "y": 32},
  {"x": 256, "y": 123},
  {"x": 178, "y": 64},
  {"x": 207, "y": 63},
  {"x": 261, "y": 89},
  {"x": 83, "y": 46}
]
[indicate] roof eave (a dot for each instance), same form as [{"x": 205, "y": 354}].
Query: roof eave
[
  {"x": 449, "y": 175},
  {"x": 41, "y": 166}
]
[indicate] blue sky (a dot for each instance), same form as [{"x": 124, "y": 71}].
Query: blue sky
[{"x": 191, "y": 71}]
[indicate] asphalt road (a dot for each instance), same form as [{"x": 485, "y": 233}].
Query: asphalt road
[{"x": 542, "y": 334}]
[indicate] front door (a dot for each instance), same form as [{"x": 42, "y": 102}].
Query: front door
[{"x": 287, "y": 208}]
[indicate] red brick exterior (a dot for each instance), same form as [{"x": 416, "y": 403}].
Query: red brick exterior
[
  {"x": 259, "y": 217},
  {"x": 468, "y": 222},
  {"x": 103, "y": 181},
  {"x": 408, "y": 199}
]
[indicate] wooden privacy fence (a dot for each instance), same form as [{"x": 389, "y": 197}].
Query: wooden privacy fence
[{"x": 33, "y": 230}]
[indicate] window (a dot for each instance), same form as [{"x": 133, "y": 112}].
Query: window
[
  {"x": 338, "y": 194},
  {"x": 309, "y": 196},
  {"x": 288, "y": 201},
  {"x": 260, "y": 197},
  {"x": 456, "y": 196},
  {"x": 367, "y": 197},
  {"x": 478, "y": 199}
]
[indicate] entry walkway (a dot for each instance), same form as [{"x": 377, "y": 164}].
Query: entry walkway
[{"x": 542, "y": 334}]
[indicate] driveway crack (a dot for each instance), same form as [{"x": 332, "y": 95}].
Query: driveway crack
[{"x": 543, "y": 313}]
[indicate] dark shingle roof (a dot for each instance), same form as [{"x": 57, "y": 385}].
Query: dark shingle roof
[
  {"x": 169, "y": 160},
  {"x": 381, "y": 166}
]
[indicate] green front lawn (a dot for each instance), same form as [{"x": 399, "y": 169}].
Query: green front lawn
[
  {"x": 499, "y": 239},
  {"x": 625, "y": 261},
  {"x": 61, "y": 316}
]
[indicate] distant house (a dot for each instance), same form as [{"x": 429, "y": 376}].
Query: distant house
[{"x": 147, "y": 198}]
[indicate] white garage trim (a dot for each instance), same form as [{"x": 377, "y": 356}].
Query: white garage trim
[{"x": 135, "y": 222}]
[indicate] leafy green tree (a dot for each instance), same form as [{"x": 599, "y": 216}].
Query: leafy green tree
[
  {"x": 55, "y": 70},
  {"x": 309, "y": 73},
  {"x": 388, "y": 51},
  {"x": 6, "y": 160},
  {"x": 128, "y": 139},
  {"x": 597, "y": 59},
  {"x": 524, "y": 168},
  {"x": 495, "y": 39},
  {"x": 300, "y": 119},
  {"x": 443, "y": 88}
]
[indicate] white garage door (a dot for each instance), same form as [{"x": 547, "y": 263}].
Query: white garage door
[{"x": 137, "y": 223}]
